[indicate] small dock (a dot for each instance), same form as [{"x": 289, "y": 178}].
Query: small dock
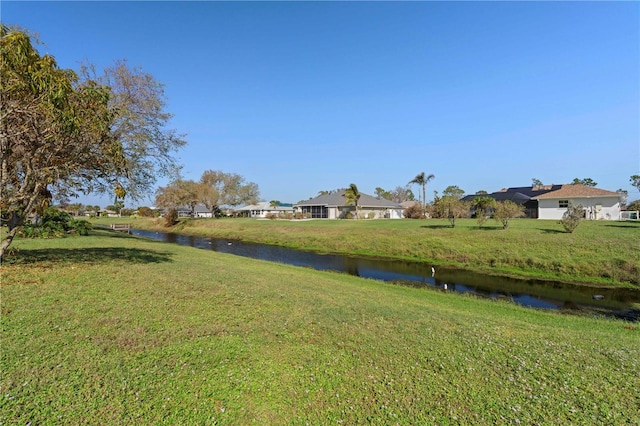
[{"x": 121, "y": 227}]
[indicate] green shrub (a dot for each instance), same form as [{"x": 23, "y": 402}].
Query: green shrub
[
  {"x": 80, "y": 226},
  {"x": 572, "y": 217}
]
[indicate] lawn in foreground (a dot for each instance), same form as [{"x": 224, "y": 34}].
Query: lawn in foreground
[{"x": 110, "y": 329}]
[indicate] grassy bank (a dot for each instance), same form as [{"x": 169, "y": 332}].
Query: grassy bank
[
  {"x": 110, "y": 329},
  {"x": 597, "y": 252}
]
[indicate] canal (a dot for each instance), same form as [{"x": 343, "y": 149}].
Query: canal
[{"x": 527, "y": 292}]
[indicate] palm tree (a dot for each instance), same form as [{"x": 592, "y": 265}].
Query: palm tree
[
  {"x": 353, "y": 195},
  {"x": 423, "y": 180}
]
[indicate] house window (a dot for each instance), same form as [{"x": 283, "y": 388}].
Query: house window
[{"x": 563, "y": 204}]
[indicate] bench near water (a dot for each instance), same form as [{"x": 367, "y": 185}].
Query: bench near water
[{"x": 123, "y": 227}]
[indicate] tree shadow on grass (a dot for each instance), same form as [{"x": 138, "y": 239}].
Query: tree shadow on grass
[
  {"x": 552, "y": 231},
  {"x": 437, "y": 226},
  {"x": 628, "y": 224},
  {"x": 87, "y": 255}
]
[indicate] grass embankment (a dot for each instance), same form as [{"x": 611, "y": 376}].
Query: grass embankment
[
  {"x": 597, "y": 252},
  {"x": 109, "y": 329}
]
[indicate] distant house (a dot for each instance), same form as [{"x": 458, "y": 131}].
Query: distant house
[
  {"x": 523, "y": 195},
  {"x": 263, "y": 209},
  {"x": 552, "y": 201},
  {"x": 335, "y": 206},
  {"x": 598, "y": 204},
  {"x": 201, "y": 211}
]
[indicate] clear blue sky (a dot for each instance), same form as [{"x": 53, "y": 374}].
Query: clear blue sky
[{"x": 307, "y": 96}]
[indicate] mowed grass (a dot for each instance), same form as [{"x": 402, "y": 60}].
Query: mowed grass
[
  {"x": 110, "y": 329},
  {"x": 598, "y": 252}
]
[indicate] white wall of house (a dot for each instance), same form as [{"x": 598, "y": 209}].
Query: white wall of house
[{"x": 596, "y": 208}]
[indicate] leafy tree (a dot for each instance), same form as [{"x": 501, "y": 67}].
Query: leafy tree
[
  {"x": 146, "y": 212},
  {"x": 572, "y": 217},
  {"x": 382, "y": 194},
  {"x": 634, "y": 206},
  {"x": 226, "y": 189},
  {"x": 536, "y": 183},
  {"x": 635, "y": 181},
  {"x": 62, "y": 135},
  {"x": 274, "y": 204},
  {"x": 138, "y": 103},
  {"x": 402, "y": 194},
  {"x": 422, "y": 180},
  {"x": 585, "y": 182},
  {"x": 353, "y": 196},
  {"x": 177, "y": 194},
  {"x": 450, "y": 205},
  {"x": 506, "y": 210},
  {"x": 482, "y": 206}
]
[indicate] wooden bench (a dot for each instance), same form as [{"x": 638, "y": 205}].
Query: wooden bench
[{"x": 123, "y": 227}]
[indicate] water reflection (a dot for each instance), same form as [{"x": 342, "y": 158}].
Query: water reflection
[{"x": 532, "y": 293}]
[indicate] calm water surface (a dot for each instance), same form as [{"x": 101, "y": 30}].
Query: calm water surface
[{"x": 531, "y": 293}]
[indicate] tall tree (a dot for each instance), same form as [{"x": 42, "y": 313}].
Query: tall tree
[
  {"x": 62, "y": 135},
  {"x": 54, "y": 132},
  {"x": 635, "y": 181},
  {"x": 178, "y": 193},
  {"x": 353, "y": 196},
  {"x": 402, "y": 194},
  {"x": 422, "y": 180},
  {"x": 231, "y": 188}
]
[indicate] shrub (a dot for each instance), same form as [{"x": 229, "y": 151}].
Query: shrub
[
  {"x": 171, "y": 218},
  {"x": 572, "y": 217},
  {"x": 146, "y": 212},
  {"x": 80, "y": 226},
  {"x": 52, "y": 223},
  {"x": 371, "y": 215},
  {"x": 413, "y": 212},
  {"x": 506, "y": 210}
]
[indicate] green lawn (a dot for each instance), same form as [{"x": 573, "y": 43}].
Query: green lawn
[
  {"x": 110, "y": 329},
  {"x": 599, "y": 252}
]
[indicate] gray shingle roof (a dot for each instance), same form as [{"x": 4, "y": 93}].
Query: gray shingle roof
[{"x": 337, "y": 199}]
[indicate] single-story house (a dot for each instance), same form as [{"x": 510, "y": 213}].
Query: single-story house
[
  {"x": 334, "y": 206},
  {"x": 552, "y": 201},
  {"x": 201, "y": 211},
  {"x": 598, "y": 204},
  {"x": 264, "y": 209},
  {"x": 523, "y": 195}
]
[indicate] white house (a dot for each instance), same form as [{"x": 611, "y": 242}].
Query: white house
[
  {"x": 263, "y": 209},
  {"x": 334, "y": 206},
  {"x": 598, "y": 204}
]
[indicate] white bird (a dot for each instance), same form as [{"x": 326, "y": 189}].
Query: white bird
[{"x": 433, "y": 271}]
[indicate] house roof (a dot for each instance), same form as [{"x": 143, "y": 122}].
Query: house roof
[
  {"x": 516, "y": 197},
  {"x": 266, "y": 206},
  {"x": 338, "y": 199},
  {"x": 576, "y": 191}
]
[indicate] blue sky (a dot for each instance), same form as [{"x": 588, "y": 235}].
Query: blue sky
[{"x": 300, "y": 97}]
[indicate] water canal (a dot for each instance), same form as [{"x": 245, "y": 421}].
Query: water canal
[{"x": 532, "y": 293}]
